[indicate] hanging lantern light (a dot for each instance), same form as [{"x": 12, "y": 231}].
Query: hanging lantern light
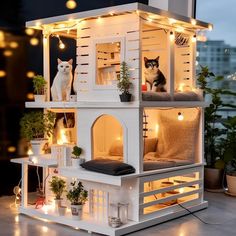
[{"x": 71, "y": 4}]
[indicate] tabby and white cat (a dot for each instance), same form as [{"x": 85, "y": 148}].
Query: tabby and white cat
[
  {"x": 155, "y": 80},
  {"x": 61, "y": 87}
]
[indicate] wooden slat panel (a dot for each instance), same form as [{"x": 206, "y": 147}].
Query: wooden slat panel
[
  {"x": 132, "y": 45},
  {"x": 84, "y": 68},
  {"x": 84, "y": 32},
  {"x": 82, "y": 59},
  {"x": 82, "y": 50},
  {"x": 132, "y": 54},
  {"x": 133, "y": 35}
]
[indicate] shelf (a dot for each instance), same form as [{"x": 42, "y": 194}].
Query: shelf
[{"x": 104, "y": 104}]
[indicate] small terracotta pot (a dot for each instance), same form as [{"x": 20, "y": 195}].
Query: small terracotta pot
[{"x": 231, "y": 182}]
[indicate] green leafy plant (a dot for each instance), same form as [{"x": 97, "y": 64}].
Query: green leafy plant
[
  {"x": 214, "y": 144},
  {"x": 39, "y": 84},
  {"x": 34, "y": 125},
  {"x": 124, "y": 81},
  {"x": 77, "y": 195},
  {"x": 57, "y": 186},
  {"x": 76, "y": 152}
]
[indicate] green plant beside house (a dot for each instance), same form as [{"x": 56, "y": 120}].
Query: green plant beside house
[
  {"x": 57, "y": 186},
  {"x": 39, "y": 84}
]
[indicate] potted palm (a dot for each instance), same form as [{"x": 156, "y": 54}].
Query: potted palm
[
  {"x": 230, "y": 154},
  {"x": 76, "y": 159},
  {"x": 34, "y": 126},
  {"x": 57, "y": 186},
  {"x": 213, "y": 134},
  {"x": 77, "y": 196},
  {"x": 39, "y": 84},
  {"x": 124, "y": 83}
]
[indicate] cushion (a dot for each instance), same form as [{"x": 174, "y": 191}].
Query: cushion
[
  {"x": 178, "y": 139},
  {"x": 150, "y": 145},
  {"x": 116, "y": 148},
  {"x": 108, "y": 167},
  {"x": 155, "y": 96},
  {"x": 187, "y": 96}
]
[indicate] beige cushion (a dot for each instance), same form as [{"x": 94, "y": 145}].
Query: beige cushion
[
  {"x": 177, "y": 139},
  {"x": 116, "y": 148}
]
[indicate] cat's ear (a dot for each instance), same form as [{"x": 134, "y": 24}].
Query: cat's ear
[
  {"x": 70, "y": 61},
  {"x": 145, "y": 59},
  {"x": 59, "y": 61},
  {"x": 157, "y": 59}
]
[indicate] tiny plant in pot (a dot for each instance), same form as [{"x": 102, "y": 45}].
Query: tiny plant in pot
[
  {"x": 58, "y": 186},
  {"x": 77, "y": 196},
  {"x": 39, "y": 84},
  {"x": 76, "y": 159},
  {"x": 34, "y": 126},
  {"x": 124, "y": 83}
]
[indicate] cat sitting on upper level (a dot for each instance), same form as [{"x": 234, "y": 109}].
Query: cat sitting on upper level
[
  {"x": 154, "y": 78},
  {"x": 61, "y": 87}
]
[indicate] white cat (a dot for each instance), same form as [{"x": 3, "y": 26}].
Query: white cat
[{"x": 61, "y": 86}]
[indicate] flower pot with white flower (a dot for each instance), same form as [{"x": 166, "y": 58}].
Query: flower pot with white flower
[{"x": 75, "y": 158}]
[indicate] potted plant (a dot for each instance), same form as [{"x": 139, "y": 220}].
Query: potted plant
[
  {"x": 124, "y": 83},
  {"x": 39, "y": 84},
  {"x": 76, "y": 159},
  {"x": 34, "y": 126},
  {"x": 77, "y": 196},
  {"x": 230, "y": 154},
  {"x": 213, "y": 134},
  {"x": 57, "y": 186}
]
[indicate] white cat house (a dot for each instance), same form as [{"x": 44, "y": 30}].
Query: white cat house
[{"x": 159, "y": 133}]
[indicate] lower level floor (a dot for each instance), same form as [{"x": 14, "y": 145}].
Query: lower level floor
[{"x": 220, "y": 216}]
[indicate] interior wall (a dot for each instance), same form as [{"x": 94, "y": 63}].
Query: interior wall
[{"x": 106, "y": 130}]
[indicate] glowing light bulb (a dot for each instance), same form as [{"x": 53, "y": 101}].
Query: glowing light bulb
[
  {"x": 7, "y": 53},
  {"x": 149, "y": 19},
  {"x": 29, "y": 31},
  {"x": 61, "y": 45},
  {"x": 38, "y": 24},
  {"x": 180, "y": 116},
  {"x": 99, "y": 19},
  {"x": 180, "y": 29},
  {"x": 210, "y": 27},
  {"x": 71, "y": 4},
  {"x": 29, "y": 152},
  {"x": 2, "y": 73},
  {"x": 30, "y": 74},
  {"x": 172, "y": 21},
  {"x": 194, "y": 38},
  {"x": 172, "y": 36},
  {"x": 157, "y": 129},
  {"x": 34, "y": 41},
  {"x": 193, "y": 22},
  {"x": 13, "y": 44},
  {"x": 11, "y": 149},
  {"x": 111, "y": 13},
  {"x": 30, "y": 96}
]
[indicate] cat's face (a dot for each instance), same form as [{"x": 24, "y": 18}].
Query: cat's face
[
  {"x": 151, "y": 65},
  {"x": 64, "y": 67}
]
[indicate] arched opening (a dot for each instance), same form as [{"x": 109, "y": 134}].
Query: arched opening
[{"x": 107, "y": 138}]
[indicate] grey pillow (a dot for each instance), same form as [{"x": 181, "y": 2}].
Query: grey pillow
[{"x": 109, "y": 167}]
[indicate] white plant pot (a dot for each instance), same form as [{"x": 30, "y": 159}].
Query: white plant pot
[
  {"x": 76, "y": 162},
  {"x": 76, "y": 211},
  {"x": 37, "y": 146},
  {"x": 57, "y": 205},
  {"x": 39, "y": 98},
  {"x": 62, "y": 210},
  {"x": 231, "y": 182}
]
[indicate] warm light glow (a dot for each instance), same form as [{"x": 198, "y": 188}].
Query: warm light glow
[
  {"x": 30, "y": 74},
  {"x": 11, "y": 149},
  {"x": 34, "y": 41},
  {"x": 172, "y": 36},
  {"x": 210, "y": 27},
  {"x": 180, "y": 29},
  {"x": 45, "y": 209},
  {"x": 181, "y": 190},
  {"x": 149, "y": 19},
  {"x": 71, "y": 4},
  {"x": 137, "y": 12},
  {"x": 76, "y": 228},
  {"x": 13, "y": 44},
  {"x": 63, "y": 138},
  {"x": 61, "y": 45},
  {"x": 180, "y": 116},
  {"x": 181, "y": 87},
  {"x": 38, "y": 24},
  {"x": 29, "y": 152},
  {"x": 61, "y": 26},
  {"x": 201, "y": 38},
  {"x": 45, "y": 229},
  {"x": 29, "y": 32},
  {"x": 193, "y": 22},
  {"x": 2, "y": 73},
  {"x": 194, "y": 38},
  {"x": 17, "y": 219},
  {"x": 172, "y": 21},
  {"x": 99, "y": 19},
  {"x": 157, "y": 129},
  {"x": 34, "y": 160},
  {"x": 7, "y": 53},
  {"x": 111, "y": 13},
  {"x": 30, "y": 96}
]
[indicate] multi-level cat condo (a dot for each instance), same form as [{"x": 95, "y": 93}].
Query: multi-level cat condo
[{"x": 159, "y": 133}]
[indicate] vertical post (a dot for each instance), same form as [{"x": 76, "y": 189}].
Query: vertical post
[
  {"x": 193, "y": 62},
  {"x": 46, "y": 60},
  {"x": 24, "y": 185},
  {"x": 171, "y": 56}
]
